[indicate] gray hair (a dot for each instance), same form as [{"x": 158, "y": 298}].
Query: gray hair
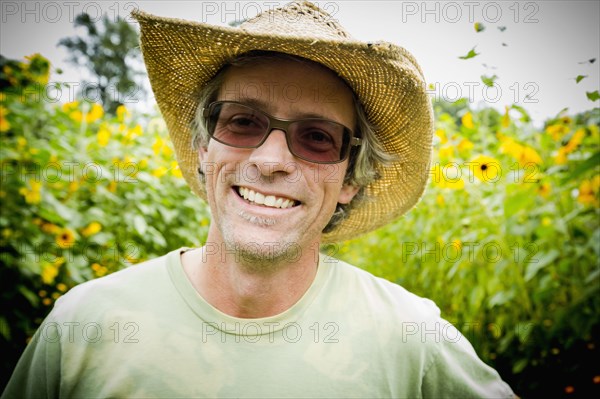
[{"x": 364, "y": 159}]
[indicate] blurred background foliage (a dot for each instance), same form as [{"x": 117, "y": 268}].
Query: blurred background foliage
[
  {"x": 506, "y": 240},
  {"x": 110, "y": 52}
]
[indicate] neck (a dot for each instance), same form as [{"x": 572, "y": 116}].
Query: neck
[{"x": 246, "y": 287}]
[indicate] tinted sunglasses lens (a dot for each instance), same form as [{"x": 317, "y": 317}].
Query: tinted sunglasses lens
[
  {"x": 237, "y": 125},
  {"x": 315, "y": 140},
  {"x": 319, "y": 141}
]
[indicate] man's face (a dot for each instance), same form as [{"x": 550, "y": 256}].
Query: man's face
[{"x": 284, "y": 89}]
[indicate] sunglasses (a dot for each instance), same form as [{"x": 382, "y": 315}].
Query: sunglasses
[{"x": 313, "y": 139}]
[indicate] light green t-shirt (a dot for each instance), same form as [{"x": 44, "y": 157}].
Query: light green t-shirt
[{"x": 145, "y": 332}]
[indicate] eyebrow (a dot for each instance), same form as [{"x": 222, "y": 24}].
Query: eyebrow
[{"x": 263, "y": 106}]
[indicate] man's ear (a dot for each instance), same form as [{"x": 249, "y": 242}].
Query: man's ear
[{"x": 347, "y": 193}]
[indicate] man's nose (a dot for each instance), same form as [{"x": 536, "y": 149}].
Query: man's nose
[{"x": 273, "y": 155}]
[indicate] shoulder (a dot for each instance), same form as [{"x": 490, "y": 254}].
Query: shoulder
[
  {"x": 135, "y": 284},
  {"x": 380, "y": 295},
  {"x": 410, "y": 329}
]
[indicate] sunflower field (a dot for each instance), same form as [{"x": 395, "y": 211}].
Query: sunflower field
[{"x": 506, "y": 239}]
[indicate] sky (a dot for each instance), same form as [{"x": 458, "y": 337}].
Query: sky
[{"x": 535, "y": 48}]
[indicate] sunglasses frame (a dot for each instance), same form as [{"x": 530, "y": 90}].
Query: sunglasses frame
[{"x": 283, "y": 125}]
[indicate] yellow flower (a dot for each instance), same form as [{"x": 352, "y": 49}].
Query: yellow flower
[
  {"x": 465, "y": 145},
  {"x": 175, "y": 171},
  {"x": 595, "y": 182},
  {"x": 561, "y": 157},
  {"x": 557, "y": 131},
  {"x": 505, "y": 118},
  {"x": 4, "y": 124},
  {"x": 21, "y": 142},
  {"x": 136, "y": 131},
  {"x": 112, "y": 186},
  {"x": 99, "y": 270},
  {"x": 103, "y": 136},
  {"x": 96, "y": 112},
  {"x": 132, "y": 134},
  {"x": 546, "y": 221},
  {"x": 49, "y": 273},
  {"x": 439, "y": 199},
  {"x": 566, "y": 120},
  {"x": 6, "y": 233},
  {"x": 61, "y": 287},
  {"x": 446, "y": 152},
  {"x": 72, "y": 109},
  {"x": 544, "y": 190},
  {"x": 157, "y": 146},
  {"x": 441, "y": 179},
  {"x": 167, "y": 151},
  {"x": 577, "y": 138},
  {"x": 467, "y": 120},
  {"x": 50, "y": 228},
  {"x": 32, "y": 195},
  {"x": 529, "y": 155},
  {"x": 457, "y": 243},
  {"x": 143, "y": 163},
  {"x": 65, "y": 238},
  {"x": 522, "y": 153},
  {"x": 588, "y": 191},
  {"x": 486, "y": 169},
  {"x": 441, "y": 134},
  {"x": 73, "y": 186},
  {"x": 159, "y": 172},
  {"x": 122, "y": 113},
  {"x": 91, "y": 229}
]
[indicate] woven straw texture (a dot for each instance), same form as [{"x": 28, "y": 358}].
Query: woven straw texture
[{"x": 182, "y": 56}]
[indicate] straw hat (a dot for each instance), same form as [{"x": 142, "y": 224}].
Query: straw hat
[{"x": 182, "y": 56}]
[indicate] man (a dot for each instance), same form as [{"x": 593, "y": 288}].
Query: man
[{"x": 296, "y": 135}]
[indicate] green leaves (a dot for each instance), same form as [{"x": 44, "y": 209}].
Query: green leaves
[
  {"x": 593, "y": 95},
  {"x": 108, "y": 51},
  {"x": 542, "y": 260},
  {"x": 488, "y": 80},
  {"x": 472, "y": 53},
  {"x": 84, "y": 193},
  {"x": 589, "y": 164},
  {"x": 579, "y": 78},
  {"x": 514, "y": 256}
]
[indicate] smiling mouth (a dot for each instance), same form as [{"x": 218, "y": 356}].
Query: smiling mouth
[{"x": 270, "y": 201}]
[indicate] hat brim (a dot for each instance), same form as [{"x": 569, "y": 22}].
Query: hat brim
[{"x": 182, "y": 56}]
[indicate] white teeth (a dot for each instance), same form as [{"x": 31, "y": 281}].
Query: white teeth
[
  {"x": 270, "y": 200},
  {"x": 261, "y": 199}
]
